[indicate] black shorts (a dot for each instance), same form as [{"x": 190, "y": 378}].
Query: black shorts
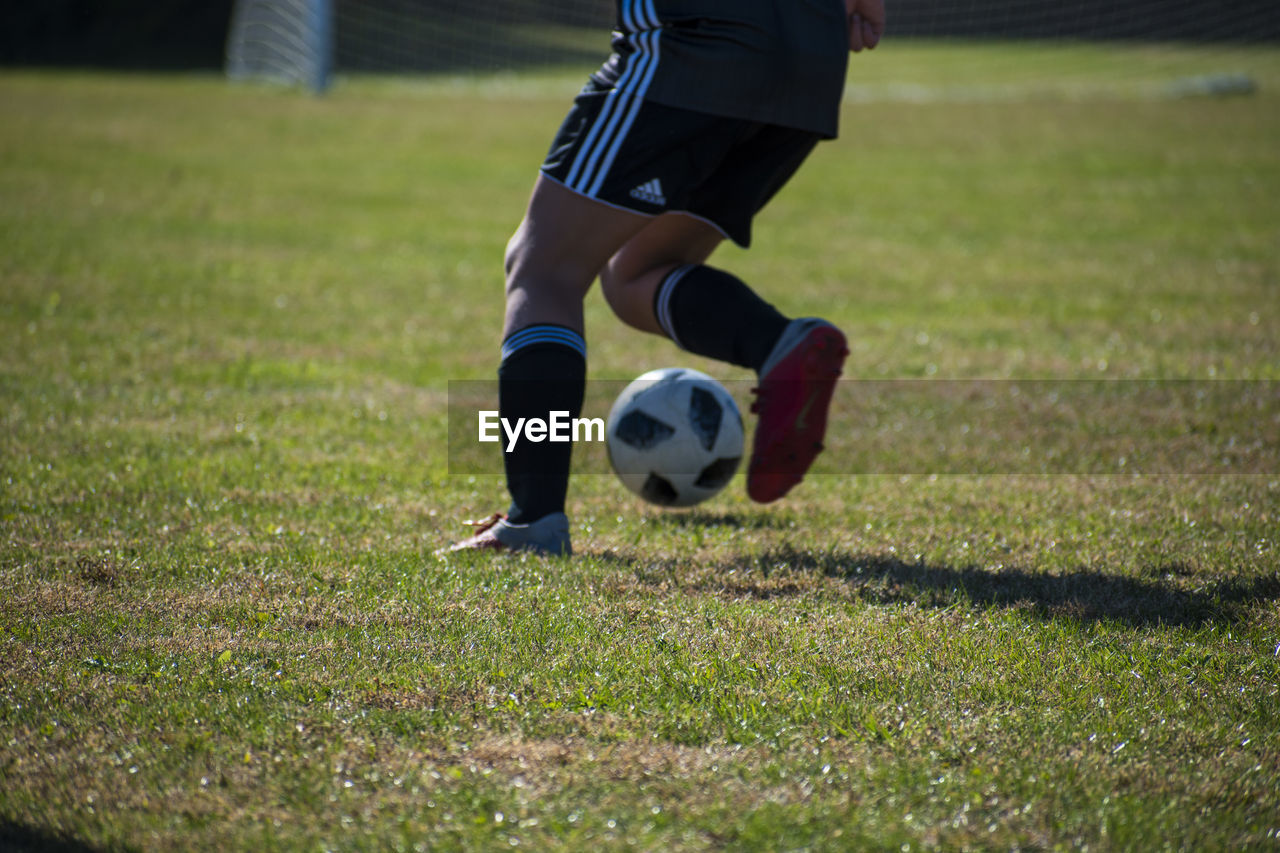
[{"x": 650, "y": 159}]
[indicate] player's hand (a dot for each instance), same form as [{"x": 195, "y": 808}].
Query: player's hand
[{"x": 866, "y": 23}]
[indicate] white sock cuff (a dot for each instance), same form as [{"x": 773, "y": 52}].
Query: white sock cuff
[{"x": 662, "y": 301}]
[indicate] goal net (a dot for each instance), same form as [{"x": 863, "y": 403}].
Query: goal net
[{"x": 1056, "y": 45}]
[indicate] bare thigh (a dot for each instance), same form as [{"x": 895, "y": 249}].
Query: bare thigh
[{"x": 562, "y": 244}]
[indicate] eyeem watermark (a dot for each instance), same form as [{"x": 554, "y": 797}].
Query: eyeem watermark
[
  {"x": 1130, "y": 427},
  {"x": 558, "y": 427}
]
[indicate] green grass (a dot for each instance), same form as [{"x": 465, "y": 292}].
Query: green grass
[{"x": 228, "y": 317}]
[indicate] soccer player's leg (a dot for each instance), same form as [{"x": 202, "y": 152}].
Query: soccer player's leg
[
  {"x": 633, "y": 275},
  {"x": 797, "y": 362},
  {"x": 551, "y": 261},
  {"x": 659, "y": 282}
]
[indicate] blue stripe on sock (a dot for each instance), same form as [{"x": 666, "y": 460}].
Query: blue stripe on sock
[{"x": 531, "y": 335}]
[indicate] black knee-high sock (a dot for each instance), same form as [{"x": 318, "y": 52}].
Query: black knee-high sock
[
  {"x": 710, "y": 312},
  {"x": 544, "y": 370}
]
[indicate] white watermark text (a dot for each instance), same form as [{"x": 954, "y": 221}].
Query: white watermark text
[{"x": 557, "y": 427}]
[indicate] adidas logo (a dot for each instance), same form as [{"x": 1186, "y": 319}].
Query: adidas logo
[{"x": 650, "y": 192}]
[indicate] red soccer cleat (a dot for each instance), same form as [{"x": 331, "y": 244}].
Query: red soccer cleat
[{"x": 796, "y": 385}]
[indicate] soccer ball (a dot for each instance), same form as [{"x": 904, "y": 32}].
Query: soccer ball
[{"x": 674, "y": 437}]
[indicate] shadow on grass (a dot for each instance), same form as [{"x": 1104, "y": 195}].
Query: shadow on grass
[
  {"x": 1164, "y": 597},
  {"x": 22, "y": 838},
  {"x": 701, "y": 518}
]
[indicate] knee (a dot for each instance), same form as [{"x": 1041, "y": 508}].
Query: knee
[
  {"x": 613, "y": 284},
  {"x": 516, "y": 260},
  {"x": 527, "y": 275},
  {"x": 629, "y": 292},
  {"x": 535, "y": 268}
]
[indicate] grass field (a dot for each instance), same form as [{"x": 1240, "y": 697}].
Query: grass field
[{"x": 228, "y": 320}]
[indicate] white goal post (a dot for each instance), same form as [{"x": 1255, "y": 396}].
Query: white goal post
[
  {"x": 301, "y": 42},
  {"x": 287, "y": 41}
]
